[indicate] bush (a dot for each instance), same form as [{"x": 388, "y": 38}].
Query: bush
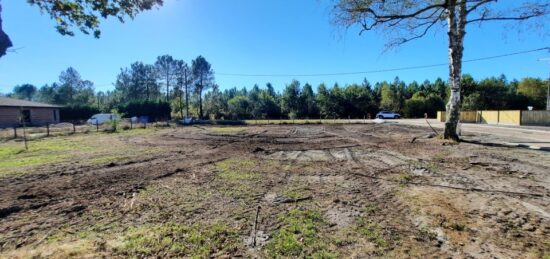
[
  {"x": 418, "y": 105},
  {"x": 77, "y": 112},
  {"x": 156, "y": 111}
]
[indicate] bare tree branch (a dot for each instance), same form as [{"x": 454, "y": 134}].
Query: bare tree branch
[
  {"x": 404, "y": 20},
  {"x": 407, "y": 20}
]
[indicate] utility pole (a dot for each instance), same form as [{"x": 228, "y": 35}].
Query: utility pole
[{"x": 548, "y": 90}]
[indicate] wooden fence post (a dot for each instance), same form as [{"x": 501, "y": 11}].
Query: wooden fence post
[
  {"x": 96, "y": 126},
  {"x": 14, "y": 131},
  {"x": 131, "y": 124},
  {"x": 25, "y": 136},
  {"x": 47, "y": 129},
  {"x": 74, "y": 128}
]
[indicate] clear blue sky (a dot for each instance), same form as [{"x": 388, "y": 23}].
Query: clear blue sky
[{"x": 248, "y": 37}]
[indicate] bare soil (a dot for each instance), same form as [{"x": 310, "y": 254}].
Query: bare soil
[{"x": 376, "y": 194}]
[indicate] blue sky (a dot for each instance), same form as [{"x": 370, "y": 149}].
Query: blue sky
[{"x": 249, "y": 37}]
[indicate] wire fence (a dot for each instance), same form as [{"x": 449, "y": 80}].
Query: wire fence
[
  {"x": 77, "y": 127},
  {"x": 68, "y": 128}
]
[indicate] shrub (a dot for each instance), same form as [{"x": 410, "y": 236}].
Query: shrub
[
  {"x": 419, "y": 104},
  {"x": 115, "y": 120}
]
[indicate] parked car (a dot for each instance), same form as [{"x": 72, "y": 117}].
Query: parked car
[
  {"x": 388, "y": 115},
  {"x": 101, "y": 118}
]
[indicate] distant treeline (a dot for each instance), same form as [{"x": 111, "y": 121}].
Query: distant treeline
[{"x": 171, "y": 88}]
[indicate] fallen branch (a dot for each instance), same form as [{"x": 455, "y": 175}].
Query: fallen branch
[
  {"x": 435, "y": 131},
  {"x": 431, "y": 135},
  {"x": 256, "y": 226},
  {"x": 281, "y": 199}
]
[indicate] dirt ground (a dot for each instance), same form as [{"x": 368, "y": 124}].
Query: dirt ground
[{"x": 313, "y": 191}]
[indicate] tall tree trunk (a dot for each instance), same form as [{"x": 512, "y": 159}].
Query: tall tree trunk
[
  {"x": 167, "y": 87},
  {"x": 5, "y": 41},
  {"x": 186, "y": 95},
  {"x": 181, "y": 100},
  {"x": 186, "y": 102},
  {"x": 548, "y": 95},
  {"x": 456, "y": 31},
  {"x": 200, "y": 103},
  {"x": 201, "y": 86},
  {"x": 147, "y": 90}
]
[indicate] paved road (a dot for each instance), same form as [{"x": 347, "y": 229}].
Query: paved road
[{"x": 528, "y": 136}]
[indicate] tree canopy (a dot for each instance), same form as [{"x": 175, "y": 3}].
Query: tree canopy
[
  {"x": 404, "y": 21},
  {"x": 82, "y": 15}
]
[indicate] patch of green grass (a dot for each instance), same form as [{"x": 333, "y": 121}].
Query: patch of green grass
[
  {"x": 403, "y": 178},
  {"x": 54, "y": 144},
  {"x": 236, "y": 177},
  {"x": 31, "y": 161},
  {"x": 367, "y": 228},
  {"x": 371, "y": 209},
  {"x": 237, "y": 169},
  {"x": 300, "y": 236},
  {"x": 68, "y": 234},
  {"x": 13, "y": 155},
  {"x": 239, "y": 191},
  {"x": 93, "y": 148},
  {"x": 177, "y": 240},
  {"x": 159, "y": 202},
  {"x": 137, "y": 131},
  {"x": 372, "y": 232},
  {"x": 295, "y": 193}
]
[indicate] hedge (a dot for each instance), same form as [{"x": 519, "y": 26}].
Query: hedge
[
  {"x": 77, "y": 112},
  {"x": 156, "y": 111}
]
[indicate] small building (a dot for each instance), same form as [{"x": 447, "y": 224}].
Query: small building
[{"x": 13, "y": 112}]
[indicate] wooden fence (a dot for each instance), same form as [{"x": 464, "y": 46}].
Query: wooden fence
[
  {"x": 514, "y": 117},
  {"x": 535, "y": 118}
]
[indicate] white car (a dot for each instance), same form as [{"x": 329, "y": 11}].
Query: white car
[
  {"x": 101, "y": 118},
  {"x": 388, "y": 115}
]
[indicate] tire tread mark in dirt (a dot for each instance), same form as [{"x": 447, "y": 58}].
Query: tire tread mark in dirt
[{"x": 452, "y": 187}]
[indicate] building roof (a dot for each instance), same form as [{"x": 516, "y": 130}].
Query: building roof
[{"x": 10, "y": 102}]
